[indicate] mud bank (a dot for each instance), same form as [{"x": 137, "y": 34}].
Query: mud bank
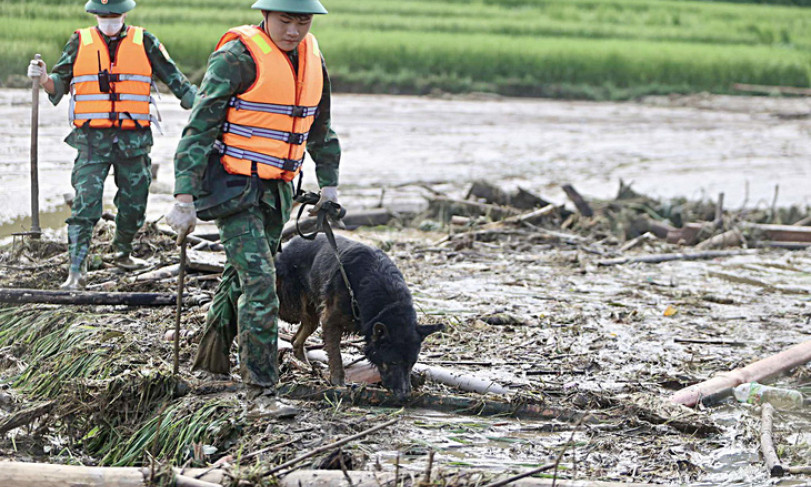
[{"x": 694, "y": 146}]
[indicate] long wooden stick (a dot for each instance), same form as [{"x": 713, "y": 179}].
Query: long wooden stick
[
  {"x": 331, "y": 446},
  {"x": 36, "y": 231},
  {"x": 179, "y": 304},
  {"x": 767, "y": 443},
  {"x": 20, "y": 296},
  {"x": 755, "y": 372},
  {"x": 658, "y": 258},
  {"x": 25, "y": 416},
  {"x": 512, "y": 479}
]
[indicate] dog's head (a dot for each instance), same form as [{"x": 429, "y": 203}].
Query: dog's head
[{"x": 393, "y": 347}]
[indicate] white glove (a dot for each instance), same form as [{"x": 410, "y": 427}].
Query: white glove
[
  {"x": 38, "y": 69},
  {"x": 328, "y": 193},
  {"x": 182, "y": 218}
]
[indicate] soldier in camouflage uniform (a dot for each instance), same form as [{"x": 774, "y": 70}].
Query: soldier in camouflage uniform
[
  {"x": 246, "y": 304},
  {"x": 127, "y": 151}
]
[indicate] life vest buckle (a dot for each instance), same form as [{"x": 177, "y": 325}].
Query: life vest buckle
[
  {"x": 290, "y": 165},
  {"x": 296, "y": 139},
  {"x": 298, "y": 111}
]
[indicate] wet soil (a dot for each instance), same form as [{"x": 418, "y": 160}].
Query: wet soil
[{"x": 585, "y": 337}]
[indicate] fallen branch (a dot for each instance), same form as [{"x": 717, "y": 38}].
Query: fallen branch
[
  {"x": 799, "y": 470},
  {"x": 25, "y": 416},
  {"x": 452, "y": 404},
  {"x": 781, "y": 233},
  {"x": 758, "y": 371},
  {"x": 767, "y": 443},
  {"x": 20, "y": 296},
  {"x": 331, "y": 446},
  {"x": 520, "y": 476},
  {"x": 701, "y": 341},
  {"x": 658, "y": 258}
]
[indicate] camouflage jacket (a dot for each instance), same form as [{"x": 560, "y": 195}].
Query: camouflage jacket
[
  {"x": 231, "y": 70},
  {"x": 130, "y": 143}
]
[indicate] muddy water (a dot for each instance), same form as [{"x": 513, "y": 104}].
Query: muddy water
[{"x": 685, "y": 146}]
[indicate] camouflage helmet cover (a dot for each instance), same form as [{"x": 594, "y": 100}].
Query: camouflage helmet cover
[
  {"x": 107, "y": 7},
  {"x": 291, "y": 6}
]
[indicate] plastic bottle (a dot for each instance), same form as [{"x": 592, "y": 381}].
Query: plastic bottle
[{"x": 754, "y": 393}]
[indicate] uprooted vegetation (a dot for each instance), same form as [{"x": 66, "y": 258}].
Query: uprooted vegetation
[{"x": 589, "y": 351}]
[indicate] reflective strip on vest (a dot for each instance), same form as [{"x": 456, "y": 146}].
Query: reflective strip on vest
[
  {"x": 246, "y": 131},
  {"x": 292, "y": 110},
  {"x": 114, "y": 97},
  {"x": 113, "y": 78},
  {"x": 283, "y": 164},
  {"x": 115, "y": 116}
]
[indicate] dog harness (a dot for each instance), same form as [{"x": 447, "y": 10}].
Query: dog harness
[
  {"x": 105, "y": 94},
  {"x": 266, "y": 127}
]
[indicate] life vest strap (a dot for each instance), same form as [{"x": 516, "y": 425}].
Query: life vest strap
[
  {"x": 292, "y": 110},
  {"x": 114, "y": 77},
  {"x": 291, "y": 165},
  {"x": 247, "y": 131},
  {"x": 115, "y": 116}
]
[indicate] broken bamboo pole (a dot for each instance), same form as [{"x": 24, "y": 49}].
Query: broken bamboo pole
[
  {"x": 755, "y": 372},
  {"x": 767, "y": 442},
  {"x": 20, "y": 296},
  {"x": 359, "y": 369}
]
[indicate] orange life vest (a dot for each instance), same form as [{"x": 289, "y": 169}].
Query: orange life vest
[
  {"x": 267, "y": 126},
  {"x": 125, "y": 103}
]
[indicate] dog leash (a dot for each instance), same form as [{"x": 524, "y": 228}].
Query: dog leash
[{"x": 328, "y": 210}]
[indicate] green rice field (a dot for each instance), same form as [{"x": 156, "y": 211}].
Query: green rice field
[{"x": 598, "y": 49}]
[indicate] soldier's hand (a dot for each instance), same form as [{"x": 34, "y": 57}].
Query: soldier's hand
[
  {"x": 38, "y": 69},
  {"x": 182, "y": 218},
  {"x": 328, "y": 193}
]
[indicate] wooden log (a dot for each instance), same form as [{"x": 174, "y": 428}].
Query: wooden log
[
  {"x": 25, "y": 416},
  {"x": 690, "y": 233},
  {"x": 660, "y": 229},
  {"x": 781, "y": 233},
  {"x": 19, "y": 474},
  {"x": 353, "y": 219},
  {"x": 767, "y": 443},
  {"x": 766, "y": 89},
  {"x": 450, "y": 206},
  {"x": 758, "y": 371},
  {"x": 20, "y": 296},
  {"x": 727, "y": 239},
  {"x": 804, "y": 222},
  {"x": 368, "y": 396},
  {"x": 578, "y": 200},
  {"x": 160, "y": 273},
  {"x": 799, "y": 470},
  {"x": 658, "y": 258},
  {"x": 337, "y": 478},
  {"x": 522, "y": 199}
]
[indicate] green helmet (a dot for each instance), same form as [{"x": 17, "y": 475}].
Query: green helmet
[
  {"x": 106, "y": 7},
  {"x": 290, "y": 6}
]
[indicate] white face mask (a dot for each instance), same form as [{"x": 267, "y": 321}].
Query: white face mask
[{"x": 110, "y": 26}]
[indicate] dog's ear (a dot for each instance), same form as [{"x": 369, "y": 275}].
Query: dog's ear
[
  {"x": 425, "y": 330},
  {"x": 379, "y": 331}
]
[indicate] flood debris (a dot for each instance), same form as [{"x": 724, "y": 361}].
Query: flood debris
[{"x": 546, "y": 352}]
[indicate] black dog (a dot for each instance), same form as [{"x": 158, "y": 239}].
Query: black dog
[{"x": 312, "y": 291}]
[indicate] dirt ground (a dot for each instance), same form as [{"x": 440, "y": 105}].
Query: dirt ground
[{"x": 586, "y": 338}]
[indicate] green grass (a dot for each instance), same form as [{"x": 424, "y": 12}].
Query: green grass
[{"x": 561, "y": 48}]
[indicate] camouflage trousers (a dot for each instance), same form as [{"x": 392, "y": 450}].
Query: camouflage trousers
[
  {"x": 132, "y": 177},
  {"x": 246, "y": 304}
]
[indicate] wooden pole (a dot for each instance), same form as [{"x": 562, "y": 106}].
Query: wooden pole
[
  {"x": 179, "y": 303},
  {"x": 20, "y": 296},
  {"x": 755, "y": 372},
  {"x": 36, "y": 231}
]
